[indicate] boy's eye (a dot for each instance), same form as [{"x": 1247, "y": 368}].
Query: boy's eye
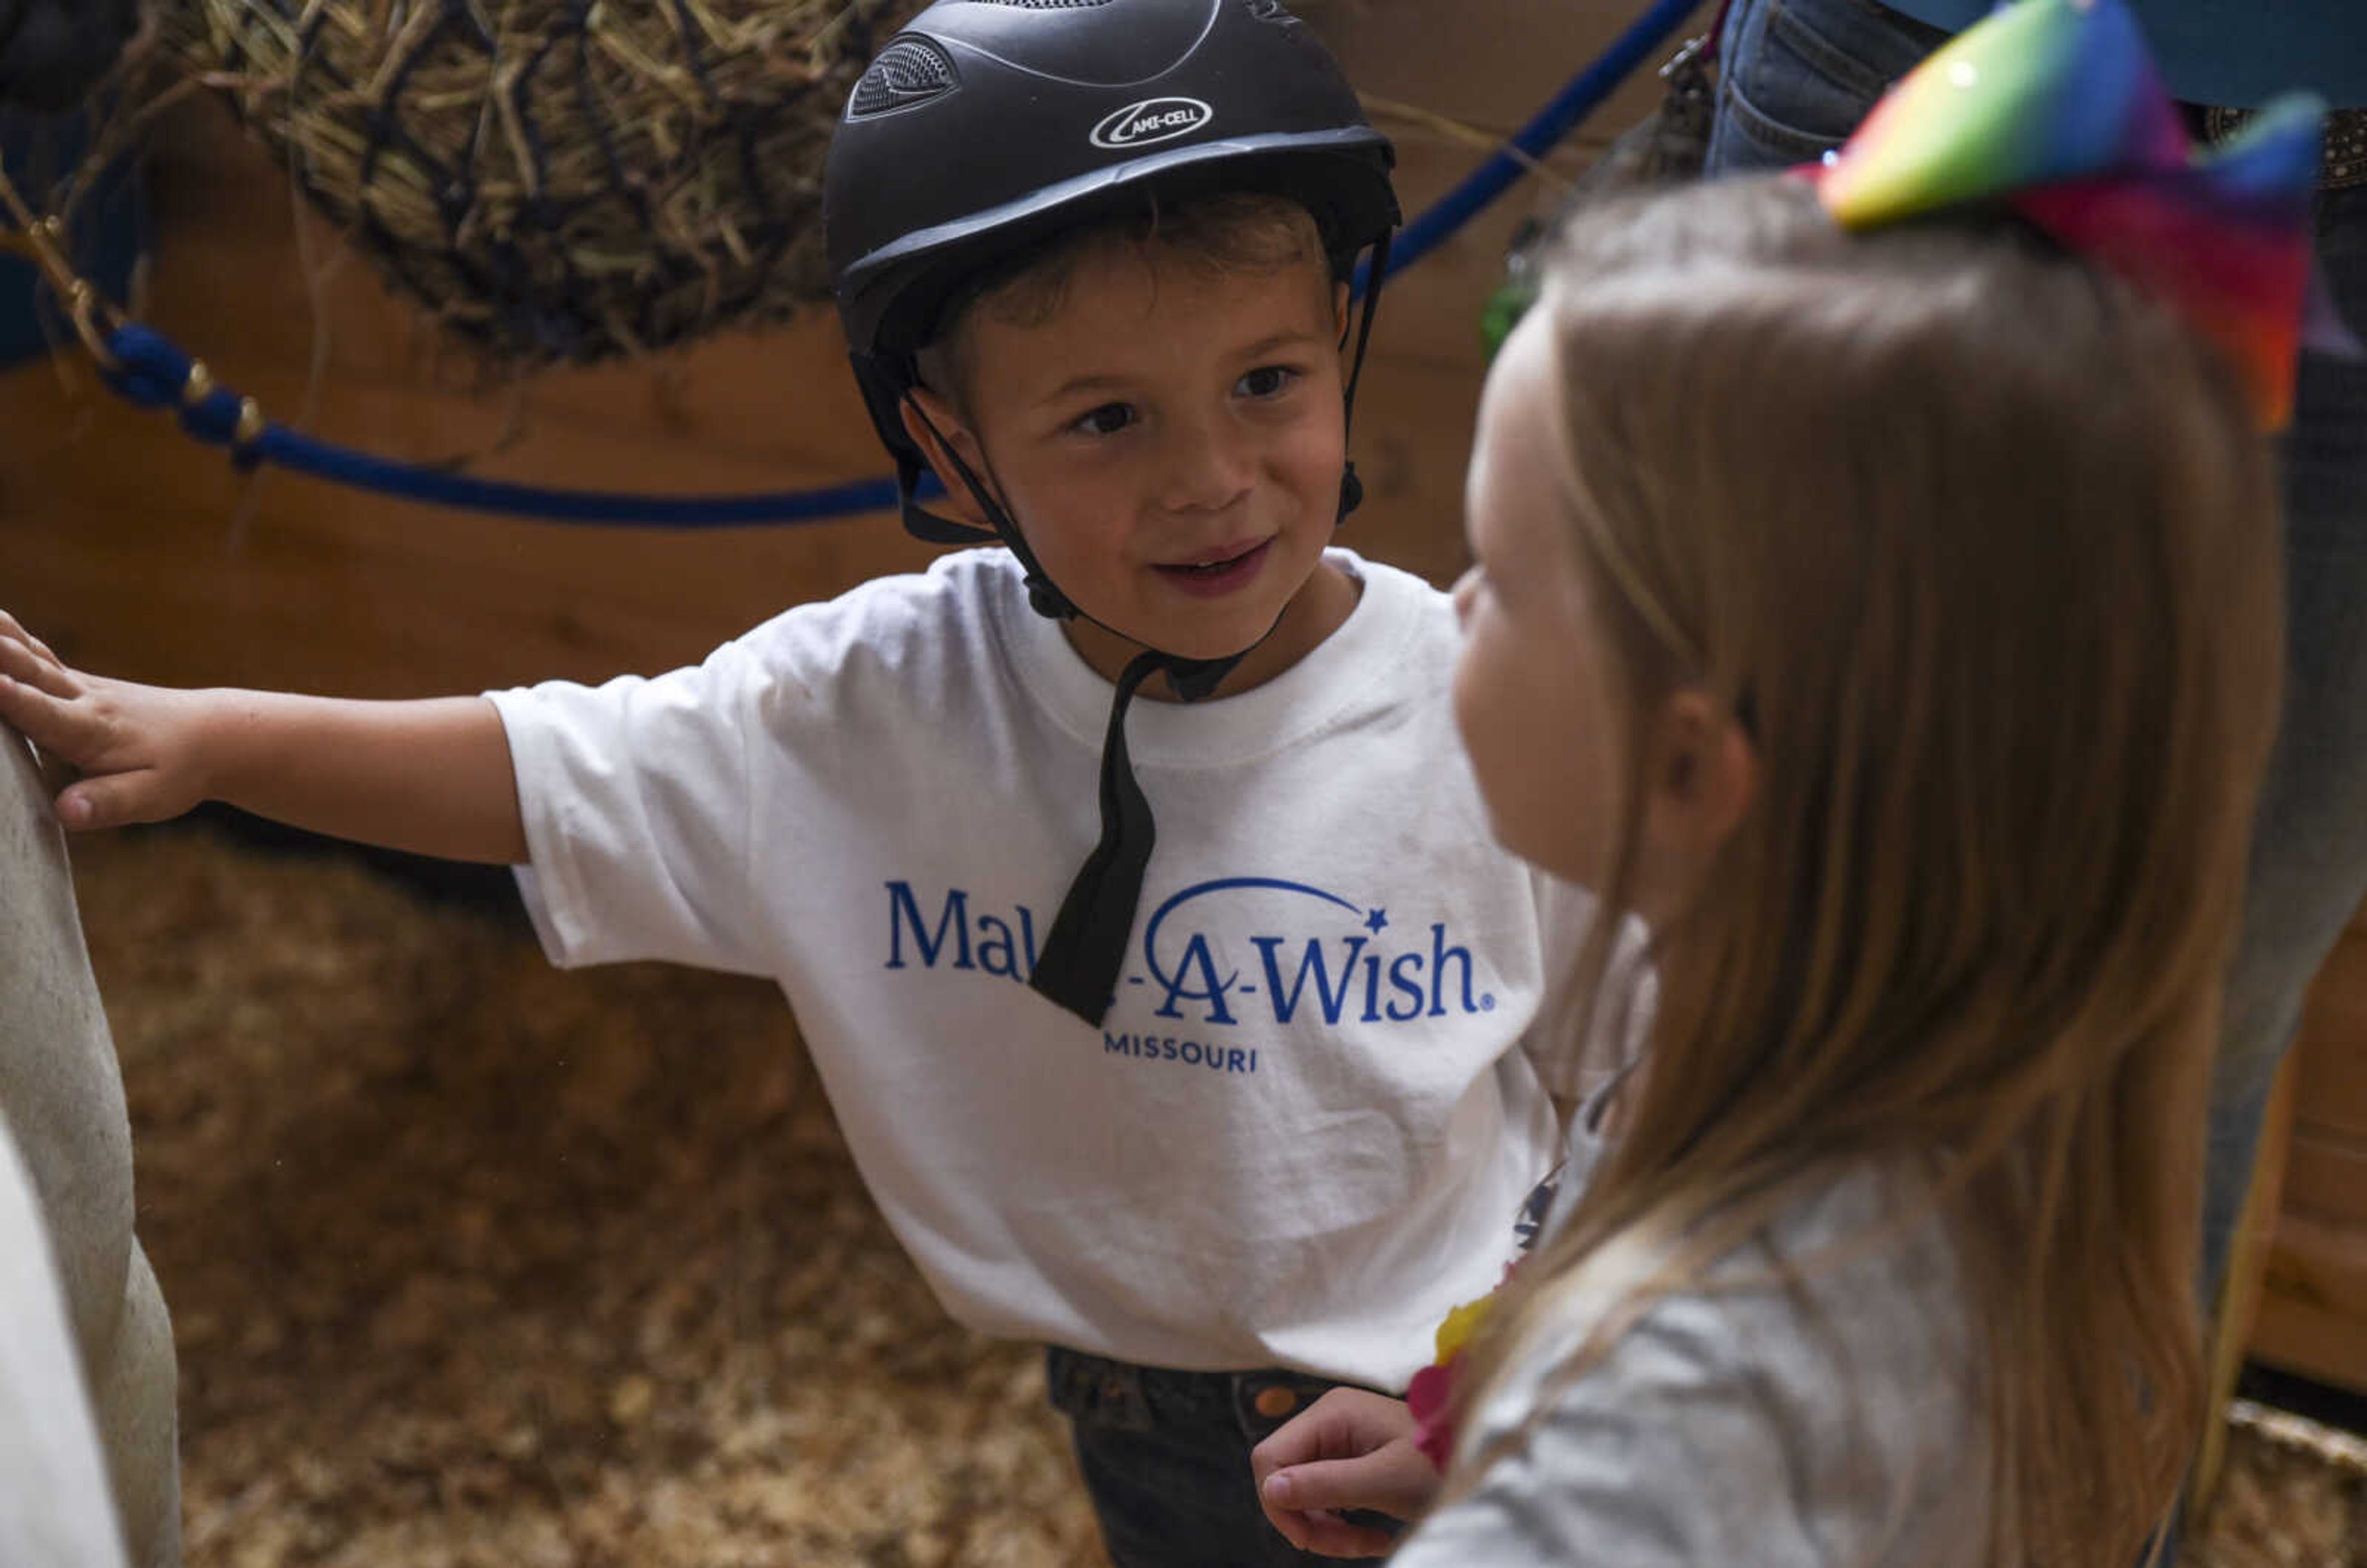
[
  {"x": 1266, "y": 381},
  {"x": 1107, "y": 419}
]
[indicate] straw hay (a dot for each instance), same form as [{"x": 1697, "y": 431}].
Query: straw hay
[
  {"x": 2294, "y": 1495},
  {"x": 556, "y": 180},
  {"x": 474, "y": 1264}
]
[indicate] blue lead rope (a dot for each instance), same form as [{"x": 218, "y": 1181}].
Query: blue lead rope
[
  {"x": 1579, "y": 97},
  {"x": 152, "y": 371}
]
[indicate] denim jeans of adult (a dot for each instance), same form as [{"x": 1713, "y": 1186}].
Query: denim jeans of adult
[
  {"x": 1166, "y": 1459},
  {"x": 1797, "y": 76}
]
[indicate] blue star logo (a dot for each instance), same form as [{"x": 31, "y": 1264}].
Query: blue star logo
[{"x": 1377, "y": 921}]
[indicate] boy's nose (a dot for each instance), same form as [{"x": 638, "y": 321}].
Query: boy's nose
[{"x": 1206, "y": 473}]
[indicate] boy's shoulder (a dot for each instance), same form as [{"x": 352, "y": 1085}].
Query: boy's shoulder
[
  {"x": 1400, "y": 619},
  {"x": 960, "y": 596},
  {"x": 1418, "y": 594}
]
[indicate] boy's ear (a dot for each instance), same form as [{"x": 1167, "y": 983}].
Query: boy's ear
[
  {"x": 1342, "y": 301},
  {"x": 1702, "y": 775},
  {"x": 959, "y": 502}
]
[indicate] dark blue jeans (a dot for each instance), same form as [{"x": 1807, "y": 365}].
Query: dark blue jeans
[
  {"x": 1166, "y": 1457},
  {"x": 1797, "y": 76}
]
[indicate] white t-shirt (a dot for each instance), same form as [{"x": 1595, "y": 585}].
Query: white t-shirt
[{"x": 1303, "y": 1132}]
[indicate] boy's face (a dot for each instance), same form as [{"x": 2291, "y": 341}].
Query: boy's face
[{"x": 1169, "y": 440}]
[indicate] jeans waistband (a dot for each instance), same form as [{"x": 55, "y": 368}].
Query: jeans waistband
[{"x": 1109, "y": 1392}]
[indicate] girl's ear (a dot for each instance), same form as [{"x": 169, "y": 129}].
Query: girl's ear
[
  {"x": 958, "y": 503},
  {"x": 1702, "y": 774}
]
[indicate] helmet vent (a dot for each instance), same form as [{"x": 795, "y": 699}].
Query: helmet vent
[
  {"x": 909, "y": 71},
  {"x": 1273, "y": 11}
]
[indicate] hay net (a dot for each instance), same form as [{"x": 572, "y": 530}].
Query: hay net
[{"x": 557, "y": 181}]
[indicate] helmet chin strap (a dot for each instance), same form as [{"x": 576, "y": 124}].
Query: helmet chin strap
[
  {"x": 1085, "y": 948},
  {"x": 1078, "y": 967}
]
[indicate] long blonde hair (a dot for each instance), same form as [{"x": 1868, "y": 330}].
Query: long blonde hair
[{"x": 1981, "y": 549}]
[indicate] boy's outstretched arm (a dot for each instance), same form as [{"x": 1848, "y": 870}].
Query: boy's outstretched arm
[{"x": 432, "y": 777}]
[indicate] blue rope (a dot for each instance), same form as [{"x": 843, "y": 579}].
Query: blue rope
[
  {"x": 152, "y": 371},
  {"x": 1584, "y": 92}
]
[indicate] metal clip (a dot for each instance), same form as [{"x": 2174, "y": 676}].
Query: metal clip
[
  {"x": 1686, "y": 58},
  {"x": 41, "y": 241}
]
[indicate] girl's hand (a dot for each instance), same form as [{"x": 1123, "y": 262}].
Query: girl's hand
[
  {"x": 135, "y": 746},
  {"x": 1348, "y": 1449}
]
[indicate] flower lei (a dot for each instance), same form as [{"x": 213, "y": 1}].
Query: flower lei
[{"x": 1430, "y": 1395}]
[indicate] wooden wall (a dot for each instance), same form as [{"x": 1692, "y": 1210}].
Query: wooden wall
[
  {"x": 2313, "y": 1311},
  {"x": 135, "y": 551}
]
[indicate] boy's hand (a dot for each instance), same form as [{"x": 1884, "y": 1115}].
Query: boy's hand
[
  {"x": 1348, "y": 1449},
  {"x": 431, "y": 775},
  {"x": 135, "y": 746}
]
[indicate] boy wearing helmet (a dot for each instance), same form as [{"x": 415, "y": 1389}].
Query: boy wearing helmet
[{"x": 1216, "y": 1079}]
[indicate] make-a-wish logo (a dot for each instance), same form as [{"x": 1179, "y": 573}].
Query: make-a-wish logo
[{"x": 1219, "y": 952}]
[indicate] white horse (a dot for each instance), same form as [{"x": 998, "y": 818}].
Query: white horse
[
  {"x": 54, "y": 1508},
  {"x": 62, "y": 1099}
]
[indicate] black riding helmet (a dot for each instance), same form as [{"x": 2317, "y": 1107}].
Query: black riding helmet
[{"x": 988, "y": 128}]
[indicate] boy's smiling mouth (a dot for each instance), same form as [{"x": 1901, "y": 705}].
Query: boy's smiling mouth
[{"x": 1218, "y": 571}]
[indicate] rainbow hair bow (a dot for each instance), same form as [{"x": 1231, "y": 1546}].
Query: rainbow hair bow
[{"x": 2053, "y": 110}]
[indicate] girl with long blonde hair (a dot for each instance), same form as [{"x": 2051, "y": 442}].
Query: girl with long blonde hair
[{"x": 1889, "y": 623}]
